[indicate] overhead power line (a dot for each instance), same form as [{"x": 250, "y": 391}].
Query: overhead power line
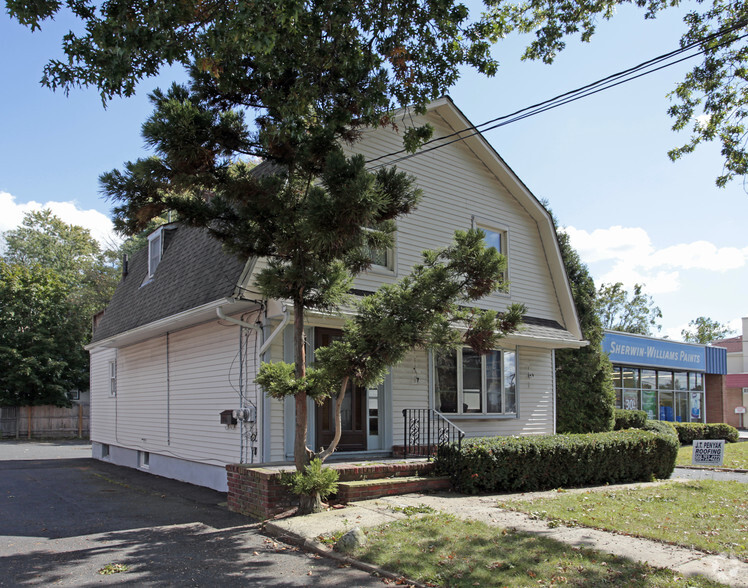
[{"x": 645, "y": 68}]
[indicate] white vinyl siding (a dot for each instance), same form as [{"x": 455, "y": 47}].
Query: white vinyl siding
[
  {"x": 535, "y": 406},
  {"x": 175, "y": 412},
  {"x": 456, "y": 188},
  {"x": 410, "y": 389},
  {"x": 102, "y": 402}
]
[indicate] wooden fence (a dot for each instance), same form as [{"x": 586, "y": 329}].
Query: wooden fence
[{"x": 45, "y": 421}]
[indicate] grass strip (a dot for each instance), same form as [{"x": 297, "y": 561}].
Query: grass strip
[
  {"x": 707, "y": 515},
  {"x": 736, "y": 456},
  {"x": 443, "y": 550}
]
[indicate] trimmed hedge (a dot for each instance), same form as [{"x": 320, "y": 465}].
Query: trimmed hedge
[
  {"x": 629, "y": 419},
  {"x": 526, "y": 464},
  {"x": 687, "y": 432}
]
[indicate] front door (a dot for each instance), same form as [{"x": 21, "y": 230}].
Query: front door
[{"x": 352, "y": 414}]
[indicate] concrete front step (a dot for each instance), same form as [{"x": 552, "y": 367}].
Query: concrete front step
[{"x": 355, "y": 491}]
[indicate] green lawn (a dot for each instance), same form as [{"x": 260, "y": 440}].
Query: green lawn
[
  {"x": 705, "y": 514},
  {"x": 736, "y": 455},
  {"x": 442, "y": 550}
]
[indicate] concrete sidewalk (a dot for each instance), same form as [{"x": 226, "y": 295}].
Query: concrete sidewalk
[{"x": 304, "y": 530}]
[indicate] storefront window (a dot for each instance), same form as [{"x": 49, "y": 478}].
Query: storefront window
[
  {"x": 697, "y": 407},
  {"x": 649, "y": 380},
  {"x": 682, "y": 410},
  {"x": 664, "y": 380},
  {"x": 649, "y": 403},
  {"x": 662, "y": 394},
  {"x": 616, "y": 376},
  {"x": 631, "y": 378},
  {"x": 631, "y": 399}
]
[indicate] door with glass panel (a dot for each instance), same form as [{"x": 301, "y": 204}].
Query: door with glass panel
[{"x": 353, "y": 430}]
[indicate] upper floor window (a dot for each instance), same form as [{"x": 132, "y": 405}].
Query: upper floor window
[
  {"x": 496, "y": 238},
  {"x": 381, "y": 257},
  {"x": 155, "y": 248},
  {"x": 466, "y": 382}
]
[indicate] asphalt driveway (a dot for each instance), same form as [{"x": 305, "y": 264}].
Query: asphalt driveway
[{"x": 64, "y": 517}]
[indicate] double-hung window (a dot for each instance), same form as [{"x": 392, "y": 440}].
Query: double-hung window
[
  {"x": 466, "y": 382},
  {"x": 497, "y": 239},
  {"x": 382, "y": 258}
]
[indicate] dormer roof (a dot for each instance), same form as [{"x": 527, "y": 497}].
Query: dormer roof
[{"x": 193, "y": 271}]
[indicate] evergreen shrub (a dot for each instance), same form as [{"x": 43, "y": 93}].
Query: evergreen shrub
[
  {"x": 687, "y": 432},
  {"x": 526, "y": 464},
  {"x": 629, "y": 419}
]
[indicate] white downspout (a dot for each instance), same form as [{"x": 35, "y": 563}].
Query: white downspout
[
  {"x": 265, "y": 399},
  {"x": 273, "y": 335}
]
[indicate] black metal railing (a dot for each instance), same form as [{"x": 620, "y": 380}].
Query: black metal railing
[{"x": 426, "y": 430}]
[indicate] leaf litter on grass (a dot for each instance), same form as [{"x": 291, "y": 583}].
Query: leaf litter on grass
[
  {"x": 443, "y": 550},
  {"x": 707, "y": 515}
]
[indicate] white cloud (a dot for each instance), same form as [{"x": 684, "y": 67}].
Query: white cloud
[
  {"x": 11, "y": 215},
  {"x": 699, "y": 255},
  {"x": 702, "y": 121},
  {"x": 627, "y": 255}
]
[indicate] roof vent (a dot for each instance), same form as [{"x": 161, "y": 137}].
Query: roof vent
[{"x": 125, "y": 265}]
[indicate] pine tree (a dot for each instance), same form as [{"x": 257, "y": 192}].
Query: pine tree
[{"x": 585, "y": 399}]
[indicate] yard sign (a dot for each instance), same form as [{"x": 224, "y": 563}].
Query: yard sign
[{"x": 708, "y": 452}]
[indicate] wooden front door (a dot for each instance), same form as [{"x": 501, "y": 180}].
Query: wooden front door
[{"x": 352, "y": 414}]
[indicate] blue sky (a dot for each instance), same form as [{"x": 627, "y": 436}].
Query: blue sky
[{"x": 601, "y": 162}]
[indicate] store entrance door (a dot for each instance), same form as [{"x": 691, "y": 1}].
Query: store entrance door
[{"x": 353, "y": 412}]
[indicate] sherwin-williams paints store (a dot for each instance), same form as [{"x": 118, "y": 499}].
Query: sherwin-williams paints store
[{"x": 666, "y": 379}]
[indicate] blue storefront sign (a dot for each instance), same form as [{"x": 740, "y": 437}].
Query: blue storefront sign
[{"x": 642, "y": 351}]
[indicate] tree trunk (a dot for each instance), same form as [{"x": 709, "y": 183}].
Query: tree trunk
[
  {"x": 323, "y": 455},
  {"x": 300, "y": 451},
  {"x": 309, "y": 503}
]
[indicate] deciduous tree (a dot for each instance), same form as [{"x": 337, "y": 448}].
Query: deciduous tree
[
  {"x": 41, "y": 338},
  {"x": 711, "y": 100},
  {"x": 407, "y": 52},
  {"x": 631, "y": 313},
  {"x": 705, "y": 330},
  {"x": 88, "y": 272}
]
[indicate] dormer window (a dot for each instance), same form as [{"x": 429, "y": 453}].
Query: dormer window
[{"x": 155, "y": 248}]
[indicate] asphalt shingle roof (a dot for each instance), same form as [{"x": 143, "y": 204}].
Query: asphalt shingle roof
[
  {"x": 733, "y": 344},
  {"x": 544, "y": 329},
  {"x": 194, "y": 270}
]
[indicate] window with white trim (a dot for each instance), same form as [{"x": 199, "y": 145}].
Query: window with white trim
[
  {"x": 381, "y": 257},
  {"x": 155, "y": 248},
  {"x": 466, "y": 382},
  {"x": 496, "y": 238},
  {"x": 113, "y": 378}
]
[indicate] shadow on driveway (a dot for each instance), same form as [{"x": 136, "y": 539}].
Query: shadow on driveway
[{"x": 63, "y": 520}]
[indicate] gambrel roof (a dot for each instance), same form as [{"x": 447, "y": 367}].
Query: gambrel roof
[{"x": 194, "y": 271}]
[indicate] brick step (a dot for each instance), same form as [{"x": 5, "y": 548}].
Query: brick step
[
  {"x": 350, "y": 472},
  {"x": 366, "y": 489}
]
